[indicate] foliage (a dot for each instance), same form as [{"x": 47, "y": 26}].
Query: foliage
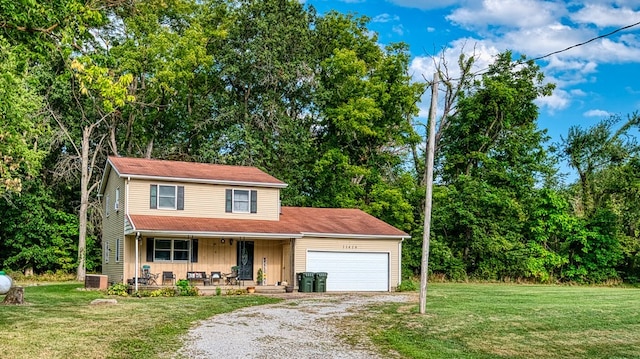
[
  {"x": 260, "y": 277},
  {"x": 23, "y": 131},
  {"x": 186, "y": 289},
  {"x": 236, "y": 291},
  {"x": 37, "y": 234},
  {"x": 162, "y": 292},
  {"x": 316, "y": 101},
  {"x": 408, "y": 285},
  {"x": 119, "y": 289},
  {"x": 218, "y": 291}
]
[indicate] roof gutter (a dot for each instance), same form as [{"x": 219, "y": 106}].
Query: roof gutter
[
  {"x": 354, "y": 236},
  {"x": 206, "y": 181},
  {"x": 160, "y": 233}
]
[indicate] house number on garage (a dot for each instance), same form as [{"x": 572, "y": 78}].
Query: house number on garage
[{"x": 347, "y": 246}]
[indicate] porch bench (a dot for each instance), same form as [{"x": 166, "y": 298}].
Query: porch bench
[{"x": 198, "y": 276}]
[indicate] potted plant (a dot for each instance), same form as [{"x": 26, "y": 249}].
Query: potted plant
[
  {"x": 260, "y": 277},
  {"x": 251, "y": 290}
]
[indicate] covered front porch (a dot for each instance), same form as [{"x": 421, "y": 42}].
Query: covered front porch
[{"x": 208, "y": 262}]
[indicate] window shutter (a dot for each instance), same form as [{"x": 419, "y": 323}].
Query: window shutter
[
  {"x": 154, "y": 197},
  {"x": 229, "y": 204},
  {"x": 149, "y": 249},
  {"x": 180, "y": 198},
  {"x": 194, "y": 250},
  {"x": 254, "y": 201}
]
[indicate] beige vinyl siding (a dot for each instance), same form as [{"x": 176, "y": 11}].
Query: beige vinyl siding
[
  {"x": 113, "y": 228},
  {"x": 213, "y": 256},
  {"x": 204, "y": 201},
  {"x": 273, "y": 251},
  {"x": 391, "y": 246}
]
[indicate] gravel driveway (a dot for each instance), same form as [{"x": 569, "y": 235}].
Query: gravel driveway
[{"x": 298, "y": 327}]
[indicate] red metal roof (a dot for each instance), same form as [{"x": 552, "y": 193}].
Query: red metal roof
[
  {"x": 293, "y": 221},
  {"x": 127, "y": 166}
]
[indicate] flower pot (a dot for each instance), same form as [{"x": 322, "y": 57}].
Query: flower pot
[
  {"x": 288, "y": 289},
  {"x": 251, "y": 290}
]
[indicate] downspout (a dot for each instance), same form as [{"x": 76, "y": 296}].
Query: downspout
[
  {"x": 292, "y": 267},
  {"x": 400, "y": 261}
]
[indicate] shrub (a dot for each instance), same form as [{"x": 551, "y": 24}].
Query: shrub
[
  {"x": 408, "y": 285},
  {"x": 218, "y": 291},
  {"x": 185, "y": 288},
  {"x": 119, "y": 289},
  {"x": 236, "y": 291}
]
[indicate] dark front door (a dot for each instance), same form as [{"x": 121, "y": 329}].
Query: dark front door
[{"x": 245, "y": 260}]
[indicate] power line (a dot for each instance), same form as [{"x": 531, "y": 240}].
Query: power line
[
  {"x": 588, "y": 41},
  {"x": 483, "y": 71}
]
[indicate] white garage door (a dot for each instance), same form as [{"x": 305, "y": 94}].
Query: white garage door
[{"x": 351, "y": 271}]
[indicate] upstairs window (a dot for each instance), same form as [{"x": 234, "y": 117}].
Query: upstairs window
[
  {"x": 166, "y": 197},
  {"x": 107, "y": 205},
  {"x": 118, "y": 249},
  {"x": 241, "y": 201},
  {"x": 116, "y": 201}
]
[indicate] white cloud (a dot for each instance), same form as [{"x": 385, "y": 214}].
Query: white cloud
[
  {"x": 559, "y": 100},
  {"x": 398, "y": 29},
  {"x": 483, "y": 51},
  {"x": 578, "y": 93},
  {"x": 632, "y": 91},
  {"x": 385, "y": 18},
  {"x": 493, "y": 14},
  {"x": 430, "y": 29},
  {"x": 596, "y": 113},
  {"x": 604, "y": 15}
]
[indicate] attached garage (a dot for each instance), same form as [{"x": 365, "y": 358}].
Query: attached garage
[{"x": 351, "y": 271}]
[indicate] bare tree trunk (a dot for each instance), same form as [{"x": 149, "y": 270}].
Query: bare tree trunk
[
  {"x": 429, "y": 160},
  {"x": 15, "y": 295},
  {"x": 84, "y": 204}
]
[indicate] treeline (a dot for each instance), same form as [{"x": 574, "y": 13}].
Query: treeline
[{"x": 314, "y": 100}]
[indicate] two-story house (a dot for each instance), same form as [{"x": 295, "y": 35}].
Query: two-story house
[{"x": 183, "y": 217}]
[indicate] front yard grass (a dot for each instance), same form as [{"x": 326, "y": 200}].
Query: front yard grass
[
  {"x": 58, "y": 322},
  {"x": 509, "y": 321}
]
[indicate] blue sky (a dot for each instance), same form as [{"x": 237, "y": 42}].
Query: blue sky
[{"x": 593, "y": 81}]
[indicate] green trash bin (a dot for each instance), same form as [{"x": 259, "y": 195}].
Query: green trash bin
[
  {"x": 305, "y": 282},
  {"x": 320, "y": 283}
]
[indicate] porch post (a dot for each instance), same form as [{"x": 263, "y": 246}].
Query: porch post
[
  {"x": 137, "y": 264},
  {"x": 292, "y": 262}
]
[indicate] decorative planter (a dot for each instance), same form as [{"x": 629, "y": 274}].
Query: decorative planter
[
  {"x": 288, "y": 289},
  {"x": 251, "y": 290}
]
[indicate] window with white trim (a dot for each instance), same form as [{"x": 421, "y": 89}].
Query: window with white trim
[
  {"x": 107, "y": 252},
  {"x": 171, "y": 250},
  {"x": 166, "y": 197},
  {"x": 241, "y": 201},
  {"x": 118, "y": 250},
  {"x": 107, "y": 205},
  {"x": 116, "y": 201}
]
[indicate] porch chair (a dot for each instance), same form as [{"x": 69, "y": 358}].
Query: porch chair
[
  {"x": 150, "y": 278},
  {"x": 217, "y": 276},
  {"x": 231, "y": 278},
  {"x": 168, "y": 276}
]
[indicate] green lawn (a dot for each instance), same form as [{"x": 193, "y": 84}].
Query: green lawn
[
  {"x": 510, "y": 321},
  {"x": 58, "y": 322},
  {"x": 462, "y": 321}
]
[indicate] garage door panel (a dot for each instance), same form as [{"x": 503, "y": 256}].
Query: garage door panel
[{"x": 351, "y": 271}]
